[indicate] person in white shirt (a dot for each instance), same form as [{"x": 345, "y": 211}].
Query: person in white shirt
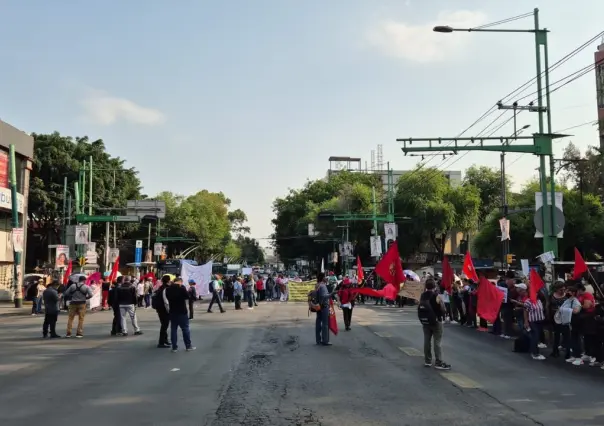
[{"x": 140, "y": 293}]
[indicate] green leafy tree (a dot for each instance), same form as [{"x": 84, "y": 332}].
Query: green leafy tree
[
  {"x": 488, "y": 183},
  {"x": 57, "y": 157},
  {"x": 250, "y": 249},
  {"x": 434, "y": 209},
  {"x": 584, "y": 227}
]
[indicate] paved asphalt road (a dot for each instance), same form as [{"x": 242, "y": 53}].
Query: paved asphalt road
[{"x": 262, "y": 368}]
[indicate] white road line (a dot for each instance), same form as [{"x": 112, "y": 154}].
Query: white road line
[
  {"x": 461, "y": 381},
  {"x": 411, "y": 351}
]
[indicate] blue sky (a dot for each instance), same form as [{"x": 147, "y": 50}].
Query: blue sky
[{"x": 252, "y": 97}]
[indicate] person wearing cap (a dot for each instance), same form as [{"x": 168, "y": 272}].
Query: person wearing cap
[
  {"x": 51, "y": 310},
  {"x": 520, "y": 297},
  {"x": 215, "y": 290},
  {"x": 175, "y": 299},
  {"x": 192, "y": 297}
]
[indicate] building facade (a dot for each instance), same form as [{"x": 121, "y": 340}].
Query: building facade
[{"x": 24, "y": 152}]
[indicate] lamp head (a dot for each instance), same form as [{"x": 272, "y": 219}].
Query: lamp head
[{"x": 443, "y": 29}]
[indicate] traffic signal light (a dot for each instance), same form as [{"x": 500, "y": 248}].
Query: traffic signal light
[{"x": 511, "y": 258}]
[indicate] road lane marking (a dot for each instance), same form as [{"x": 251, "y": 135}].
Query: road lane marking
[
  {"x": 363, "y": 324},
  {"x": 384, "y": 335},
  {"x": 411, "y": 351},
  {"x": 175, "y": 369},
  {"x": 461, "y": 381}
]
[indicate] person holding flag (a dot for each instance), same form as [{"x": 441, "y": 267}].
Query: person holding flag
[{"x": 322, "y": 321}]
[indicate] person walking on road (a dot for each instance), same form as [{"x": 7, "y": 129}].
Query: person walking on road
[
  {"x": 192, "y": 297},
  {"x": 126, "y": 299},
  {"x": 78, "y": 294},
  {"x": 116, "y": 326},
  {"x": 322, "y": 321},
  {"x": 51, "y": 314},
  {"x": 157, "y": 302},
  {"x": 431, "y": 313},
  {"x": 175, "y": 298},
  {"x": 215, "y": 289},
  {"x": 249, "y": 292},
  {"x": 346, "y": 299}
]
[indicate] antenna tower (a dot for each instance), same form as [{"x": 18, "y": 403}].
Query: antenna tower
[
  {"x": 372, "y": 160},
  {"x": 380, "y": 158}
]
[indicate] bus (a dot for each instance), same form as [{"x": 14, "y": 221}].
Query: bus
[{"x": 172, "y": 266}]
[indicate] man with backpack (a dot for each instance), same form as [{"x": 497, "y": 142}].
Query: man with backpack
[
  {"x": 78, "y": 293},
  {"x": 192, "y": 297},
  {"x": 431, "y": 313}
]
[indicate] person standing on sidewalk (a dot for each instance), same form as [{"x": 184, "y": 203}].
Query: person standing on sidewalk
[
  {"x": 175, "y": 298},
  {"x": 237, "y": 293},
  {"x": 78, "y": 294},
  {"x": 126, "y": 299},
  {"x": 431, "y": 313},
  {"x": 215, "y": 288},
  {"x": 157, "y": 302},
  {"x": 51, "y": 314}
]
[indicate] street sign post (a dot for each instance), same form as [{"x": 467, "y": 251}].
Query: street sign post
[
  {"x": 84, "y": 218},
  {"x": 138, "y": 252}
]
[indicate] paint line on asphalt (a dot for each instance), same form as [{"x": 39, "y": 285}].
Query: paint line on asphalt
[
  {"x": 363, "y": 324},
  {"x": 461, "y": 381},
  {"x": 384, "y": 335},
  {"x": 411, "y": 351},
  {"x": 175, "y": 369}
]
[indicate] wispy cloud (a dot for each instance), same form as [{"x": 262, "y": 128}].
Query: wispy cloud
[
  {"x": 418, "y": 43},
  {"x": 104, "y": 109}
]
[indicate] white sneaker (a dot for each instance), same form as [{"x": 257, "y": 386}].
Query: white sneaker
[
  {"x": 192, "y": 348},
  {"x": 578, "y": 362},
  {"x": 542, "y": 346},
  {"x": 586, "y": 358},
  {"x": 571, "y": 359},
  {"x": 538, "y": 357}
]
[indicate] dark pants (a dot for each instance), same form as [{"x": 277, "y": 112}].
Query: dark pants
[
  {"x": 483, "y": 323},
  {"x": 164, "y": 321},
  {"x": 237, "y": 302},
  {"x": 147, "y": 300},
  {"x": 347, "y": 317},
  {"x": 507, "y": 316},
  {"x": 215, "y": 299},
  {"x": 534, "y": 334},
  {"x": 250, "y": 298},
  {"x": 34, "y": 305},
  {"x": 191, "y": 303},
  {"x": 560, "y": 332},
  {"x": 182, "y": 321},
  {"x": 116, "y": 327},
  {"x": 322, "y": 326},
  {"x": 449, "y": 311},
  {"x": 50, "y": 320},
  {"x": 140, "y": 300}
]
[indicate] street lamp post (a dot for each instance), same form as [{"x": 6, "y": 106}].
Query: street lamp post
[{"x": 550, "y": 241}]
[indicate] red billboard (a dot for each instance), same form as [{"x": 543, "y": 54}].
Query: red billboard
[{"x": 3, "y": 169}]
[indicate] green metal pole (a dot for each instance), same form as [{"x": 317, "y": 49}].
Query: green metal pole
[
  {"x": 90, "y": 202},
  {"x": 76, "y": 191},
  {"x": 552, "y": 171},
  {"x": 375, "y": 225},
  {"x": 83, "y": 188},
  {"x": 547, "y": 240},
  {"x": 64, "y": 209},
  {"x": 18, "y": 290}
]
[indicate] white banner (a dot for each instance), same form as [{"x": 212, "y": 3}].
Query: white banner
[
  {"x": 114, "y": 253},
  {"x": 157, "y": 249},
  {"x": 81, "y": 235},
  {"x": 18, "y": 240},
  {"x": 200, "y": 274},
  {"x": 95, "y": 300},
  {"x": 524, "y": 263},
  {"x": 376, "y": 246},
  {"x": 504, "y": 225},
  {"x": 390, "y": 231}
]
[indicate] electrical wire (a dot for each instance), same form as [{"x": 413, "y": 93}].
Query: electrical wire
[{"x": 504, "y": 21}]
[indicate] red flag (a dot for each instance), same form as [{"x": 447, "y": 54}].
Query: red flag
[
  {"x": 580, "y": 265},
  {"x": 333, "y": 322},
  {"x": 468, "y": 267},
  {"x": 96, "y": 277},
  {"x": 67, "y": 273},
  {"x": 150, "y": 276},
  {"x": 390, "y": 269},
  {"x": 114, "y": 270},
  {"x": 360, "y": 272},
  {"x": 390, "y": 292},
  {"x": 489, "y": 300},
  {"x": 535, "y": 285},
  {"x": 368, "y": 292},
  {"x": 447, "y": 275}
]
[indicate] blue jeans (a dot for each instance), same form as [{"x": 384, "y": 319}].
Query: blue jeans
[
  {"x": 534, "y": 335},
  {"x": 322, "y": 325},
  {"x": 182, "y": 321}
]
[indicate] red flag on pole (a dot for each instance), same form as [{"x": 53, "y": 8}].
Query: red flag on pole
[
  {"x": 489, "y": 300},
  {"x": 390, "y": 269},
  {"x": 468, "y": 267},
  {"x": 536, "y": 284},
  {"x": 448, "y": 275},
  {"x": 580, "y": 265},
  {"x": 67, "y": 273},
  {"x": 360, "y": 272},
  {"x": 114, "y": 270},
  {"x": 333, "y": 322}
]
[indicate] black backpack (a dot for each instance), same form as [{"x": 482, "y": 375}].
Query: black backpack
[
  {"x": 155, "y": 298},
  {"x": 313, "y": 302},
  {"x": 425, "y": 312}
]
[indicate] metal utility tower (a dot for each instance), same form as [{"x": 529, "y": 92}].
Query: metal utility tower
[
  {"x": 373, "y": 160},
  {"x": 380, "y": 158}
]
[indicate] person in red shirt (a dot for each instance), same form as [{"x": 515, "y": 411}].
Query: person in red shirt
[
  {"x": 346, "y": 298},
  {"x": 588, "y": 325},
  {"x": 260, "y": 289}
]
